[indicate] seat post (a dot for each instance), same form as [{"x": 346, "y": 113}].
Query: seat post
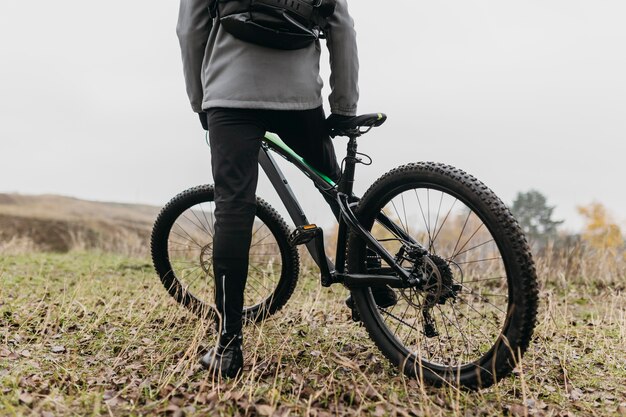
[{"x": 347, "y": 179}]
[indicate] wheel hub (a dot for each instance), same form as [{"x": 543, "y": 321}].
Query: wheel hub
[
  {"x": 436, "y": 287},
  {"x": 448, "y": 288}
]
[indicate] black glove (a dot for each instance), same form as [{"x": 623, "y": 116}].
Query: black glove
[
  {"x": 335, "y": 121},
  {"x": 203, "y": 120},
  {"x": 333, "y": 118}
]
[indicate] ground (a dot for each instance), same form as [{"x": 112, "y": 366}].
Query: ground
[{"x": 88, "y": 333}]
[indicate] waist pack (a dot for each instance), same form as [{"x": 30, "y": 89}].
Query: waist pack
[{"x": 279, "y": 24}]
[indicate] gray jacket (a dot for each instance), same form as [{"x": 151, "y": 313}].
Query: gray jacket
[{"x": 222, "y": 71}]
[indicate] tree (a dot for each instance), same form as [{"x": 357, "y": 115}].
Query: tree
[
  {"x": 601, "y": 232},
  {"x": 535, "y": 216}
]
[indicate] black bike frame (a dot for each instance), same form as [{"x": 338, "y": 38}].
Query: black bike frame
[{"x": 341, "y": 199}]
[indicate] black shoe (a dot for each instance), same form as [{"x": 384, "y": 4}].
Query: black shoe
[
  {"x": 384, "y": 297},
  {"x": 226, "y": 359}
]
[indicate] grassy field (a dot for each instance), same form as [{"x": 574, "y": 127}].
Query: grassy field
[
  {"x": 86, "y": 333},
  {"x": 52, "y": 223}
]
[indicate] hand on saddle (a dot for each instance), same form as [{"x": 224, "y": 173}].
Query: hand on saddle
[
  {"x": 340, "y": 125},
  {"x": 335, "y": 121}
]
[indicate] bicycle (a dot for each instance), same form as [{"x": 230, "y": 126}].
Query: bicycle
[{"x": 456, "y": 259}]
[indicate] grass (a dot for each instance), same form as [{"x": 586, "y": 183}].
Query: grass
[
  {"x": 63, "y": 224},
  {"x": 88, "y": 333}
]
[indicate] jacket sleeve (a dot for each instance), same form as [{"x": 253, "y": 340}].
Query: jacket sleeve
[
  {"x": 194, "y": 25},
  {"x": 344, "y": 61}
]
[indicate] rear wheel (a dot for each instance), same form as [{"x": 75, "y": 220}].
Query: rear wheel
[
  {"x": 182, "y": 253},
  {"x": 473, "y": 316}
]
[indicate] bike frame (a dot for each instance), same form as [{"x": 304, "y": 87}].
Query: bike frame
[{"x": 340, "y": 198}]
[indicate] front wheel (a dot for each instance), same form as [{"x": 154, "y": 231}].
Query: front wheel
[
  {"x": 182, "y": 253},
  {"x": 473, "y": 315}
]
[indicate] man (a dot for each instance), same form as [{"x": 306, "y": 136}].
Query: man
[{"x": 241, "y": 90}]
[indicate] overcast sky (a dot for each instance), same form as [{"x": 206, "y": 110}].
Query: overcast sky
[{"x": 524, "y": 95}]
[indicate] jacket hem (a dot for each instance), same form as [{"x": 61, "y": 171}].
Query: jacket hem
[{"x": 261, "y": 105}]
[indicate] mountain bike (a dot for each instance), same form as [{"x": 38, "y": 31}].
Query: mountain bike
[{"x": 456, "y": 260}]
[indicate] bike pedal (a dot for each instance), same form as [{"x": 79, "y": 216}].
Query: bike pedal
[
  {"x": 354, "y": 314},
  {"x": 356, "y": 317},
  {"x": 304, "y": 234}
]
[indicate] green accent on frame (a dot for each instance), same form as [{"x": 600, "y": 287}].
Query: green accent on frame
[{"x": 276, "y": 140}]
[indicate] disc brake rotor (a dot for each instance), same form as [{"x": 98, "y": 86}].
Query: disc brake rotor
[
  {"x": 430, "y": 291},
  {"x": 206, "y": 259},
  {"x": 437, "y": 287}
]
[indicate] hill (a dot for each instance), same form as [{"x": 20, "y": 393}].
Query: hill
[{"x": 59, "y": 224}]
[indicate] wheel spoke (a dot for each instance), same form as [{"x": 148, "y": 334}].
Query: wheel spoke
[
  {"x": 484, "y": 279},
  {"x": 408, "y": 229},
  {"x": 443, "y": 223},
  {"x": 469, "y": 213},
  {"x": 472, "y": 248},
  {"x": 436, "y": 221},
  {"x": 426, "y": 223},
  {"x": 398, "y": 216},
  {"x": 199, "y": 227},
  {"x": 212, "y": 222},
  {"x": 477, "y": 261},
  {"x": 189, "y": 239},
  {"x": 468, "y": 241},
  {"x": 204, "y": 229}
]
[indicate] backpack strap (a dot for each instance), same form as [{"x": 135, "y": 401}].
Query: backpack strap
[
  {"x": 213, "y": 8},
  {"x": 301, "y": 8}
]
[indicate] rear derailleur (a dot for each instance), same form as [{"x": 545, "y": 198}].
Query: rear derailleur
[{"x": 436, "y": 286}]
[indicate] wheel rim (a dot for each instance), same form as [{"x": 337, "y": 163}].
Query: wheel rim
[
  {"x": 468, "y": 322},
  {"x": 190, "y": 251}
]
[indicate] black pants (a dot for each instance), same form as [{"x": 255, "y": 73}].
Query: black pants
[{"x": 235, "y": 137}]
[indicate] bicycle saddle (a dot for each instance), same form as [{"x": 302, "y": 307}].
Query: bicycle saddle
[{"x": 353, "y": 126}]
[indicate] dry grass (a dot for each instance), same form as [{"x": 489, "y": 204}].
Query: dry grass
[
  {"x": 62, "y": 224},
  {"x": 86, "y": 333}
]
